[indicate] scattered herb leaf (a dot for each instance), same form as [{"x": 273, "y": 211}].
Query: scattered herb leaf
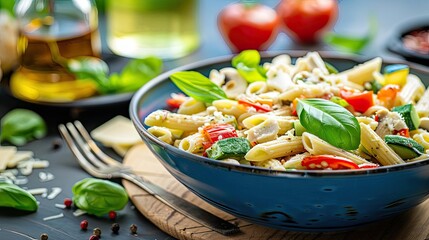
[
  {"x": 197, "y": 86},
  {"x": 15, "y": 197},
  {"x": 352, "y": 44},
  {"x": 21, "y": 125},
  {"x": 330, "y": 122},
  {"x": 99, "y": 197}
]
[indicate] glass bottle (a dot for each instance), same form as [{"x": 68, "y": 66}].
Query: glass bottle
[
  {"x": 164, "y": 28},
  {"x": 51, "y": 31}
]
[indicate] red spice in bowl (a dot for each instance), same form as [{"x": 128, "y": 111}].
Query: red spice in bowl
[{"x": 417, "y": 41}]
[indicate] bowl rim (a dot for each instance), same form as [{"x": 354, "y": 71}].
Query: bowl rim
[{"x": 134, "y": 107}]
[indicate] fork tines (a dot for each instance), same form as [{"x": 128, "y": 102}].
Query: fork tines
[{"x": 88, "y": 154}]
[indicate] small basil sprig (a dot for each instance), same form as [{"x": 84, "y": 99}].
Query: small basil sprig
[
  {"x": 247, "y": 65},
  {"x": 352, "y": 44},
  {"x": 99, "y": 197},
  {"x": 330, "y": 122},
  {"x": 21, "y": 125},
  {"x": 15, "y": 197},
  {"x": 135, "y": 74},
  {"x": 197, "y": 86}
]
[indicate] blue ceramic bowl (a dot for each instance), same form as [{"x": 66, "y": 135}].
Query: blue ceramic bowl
[{"x": 291, "y": 200}]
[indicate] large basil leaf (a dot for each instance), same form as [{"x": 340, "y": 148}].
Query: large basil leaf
[
  {"x": 197, "y": 86},
  {"x": 330, "y": 122},
  {"x": 15, "y": 197},
  {"x": 99, "y": 197}
]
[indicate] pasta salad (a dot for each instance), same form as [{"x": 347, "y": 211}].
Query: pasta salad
[{"x": 298, "y": 115}]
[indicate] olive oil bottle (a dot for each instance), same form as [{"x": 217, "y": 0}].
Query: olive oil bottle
[{"x": 51, "y": 30}]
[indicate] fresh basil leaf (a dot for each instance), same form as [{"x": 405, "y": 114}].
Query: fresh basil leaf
[
  {"x": 250, "y": 58},
  {"x": 90, "y": 68},
  {"x": 15, "y": 197},
  {"x": 247, "y": 65},
  {"x": 87, "y": 67},
  {"x": 340, "y": 101},
  {"x": 197, "y": 86},
  {"x": 330, "y": 122},
  {"x": 331, "y": 69},
  {"x": 352, "y": 44},
  {"x": 99, "y": 197},
  {"x": 250, "y": 74},
  {"x": 135, "y": 74},
  {"x": 21, "y": 125}
]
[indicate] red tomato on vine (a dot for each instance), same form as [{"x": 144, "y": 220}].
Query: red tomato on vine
[
  {"x": 306, "y": 20},
  {"x": 248, "y": 26}
]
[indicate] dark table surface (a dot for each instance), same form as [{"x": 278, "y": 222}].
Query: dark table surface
[{"x": 353, "y": 19}]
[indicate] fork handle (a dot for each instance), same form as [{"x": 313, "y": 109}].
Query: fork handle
[{"x": 184, "y": 207}]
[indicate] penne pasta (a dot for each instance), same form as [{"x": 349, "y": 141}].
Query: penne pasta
[
  {"x": 316, "y": 146},
  {"x": 283, "y": 147},
  {"x": 285, "y": 123},
  {"x": 192, "y": 143},
  {"x": 422, "y": 106},
  {"x": 191, "y": 106},
  {"x": 162, "y": 133},
  {"x": 377, "y": 147},
  {"x": 412, "y": 91}
]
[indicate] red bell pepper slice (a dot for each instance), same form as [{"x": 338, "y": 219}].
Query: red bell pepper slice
[
  {"x": 176, "y": 100},
  {"x": 403, "y": 132},
  {"x": 316, "y": 162},
  {"x": 255, "y": 105},
  {"x": 216, "y": 132},
  {"x": 360, "y": 101},
  {"x": 368, "y": 165}
]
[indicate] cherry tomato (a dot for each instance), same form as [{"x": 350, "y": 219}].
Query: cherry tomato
[
  {"x": 248, "y": 26},
  {"x": 307, "y": 20}
]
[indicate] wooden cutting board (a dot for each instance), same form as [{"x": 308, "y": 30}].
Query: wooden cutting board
[{"x": 411, "y": 225}]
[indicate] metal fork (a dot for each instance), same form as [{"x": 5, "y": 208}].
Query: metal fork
[{"x": 98, "y": 164}]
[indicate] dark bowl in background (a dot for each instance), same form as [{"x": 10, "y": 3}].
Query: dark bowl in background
[{"x": 396, "y": 45}]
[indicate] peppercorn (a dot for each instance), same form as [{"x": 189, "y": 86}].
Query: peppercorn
[
  {"x": 112, "y": 215},
  {"x": 56, "y": 143},
  {"x": 133, "y": 229},
  {"x": 68, "y": 202},
  {"x": 44, "y": 236},
  {"x": 94, "y": 237},
  {"x": 84, "y": 225},
  {"x": 115, "y": 228},
  {"x": 96, "y": 232}
]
